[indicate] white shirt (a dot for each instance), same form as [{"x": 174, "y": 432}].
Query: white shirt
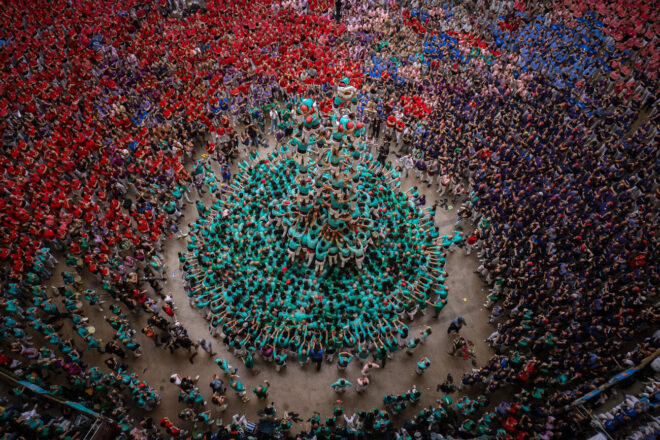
[
  {"x": 406, "y": 162},
  {"x": 368, "y": 367},
  {"x": 239, "y": 419}
]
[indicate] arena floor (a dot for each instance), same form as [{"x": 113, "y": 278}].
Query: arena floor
[{"x": 302, "y": 389}]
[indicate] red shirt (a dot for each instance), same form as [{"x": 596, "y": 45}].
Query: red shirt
[{"x": 510, "y": 424}]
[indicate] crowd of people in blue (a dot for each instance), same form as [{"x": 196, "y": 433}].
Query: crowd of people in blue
[{"x": 538, "y": 120}]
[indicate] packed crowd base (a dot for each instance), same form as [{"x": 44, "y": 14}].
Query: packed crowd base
[
  {"x": 539, "y": 118},
  {"x": 314, "y": 249}
]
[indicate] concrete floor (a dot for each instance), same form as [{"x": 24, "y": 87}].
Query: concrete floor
[{"x": 303, "y": 390}]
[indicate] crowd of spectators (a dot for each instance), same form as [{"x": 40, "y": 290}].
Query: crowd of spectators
[{"x": 540, "y": 118}]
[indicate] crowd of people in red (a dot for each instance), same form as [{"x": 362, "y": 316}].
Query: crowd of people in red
[{"x": 96, "y": 96}]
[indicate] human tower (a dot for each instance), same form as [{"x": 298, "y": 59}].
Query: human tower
[{"x": 316, "y": 246}]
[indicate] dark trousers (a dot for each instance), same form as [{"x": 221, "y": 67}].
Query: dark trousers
[
  {"x": 318, "y": 363},
  {"x": 376, "y": 127}
]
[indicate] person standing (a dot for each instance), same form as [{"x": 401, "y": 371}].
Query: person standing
[
  {"x": 224, "y": 366},
  {"x": 471, "y": 242},
  {"x": 270, "y": 410},
  {"x": 422, "y": 365},
  {"x": 425, "y": 333},
  {"x": 362, "y": 383},
  {"x": 412, "y": 344},
  {"x": 340, "y": 385},
  {"x": 456, "y": 324},
  {"x": 317, "y": 356},
  {"x": 274, "y": 120},
  {"x": 248, "y": 361},
  {"x": 217, "y": 385},
  {"x": 343, "y": 360},
  {"x": 370, "y": 116},
  {"x": 337, "y": 10},
  {"x": 406, "y": 163},
  {"x": 366, "y": 370},
  {"x": 206, "y": 346},
  {"x": 438, "y": 305},
  {"x": 303, "y": 355},
  {"x": 350, "y": 421},
  {"x": 262, "y": 390},
  {"x": 378, "y": 119},
  {"x": 238, "y": 387},
  {"x": 280, "y": 361},
  {"x": 463, "y": 215},
  {"x": 226, "y": 174}
]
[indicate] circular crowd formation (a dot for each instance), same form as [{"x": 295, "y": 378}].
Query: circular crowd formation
[
  {"x": 538, "y": 121},
  {"x": 315, "y": 245}
]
